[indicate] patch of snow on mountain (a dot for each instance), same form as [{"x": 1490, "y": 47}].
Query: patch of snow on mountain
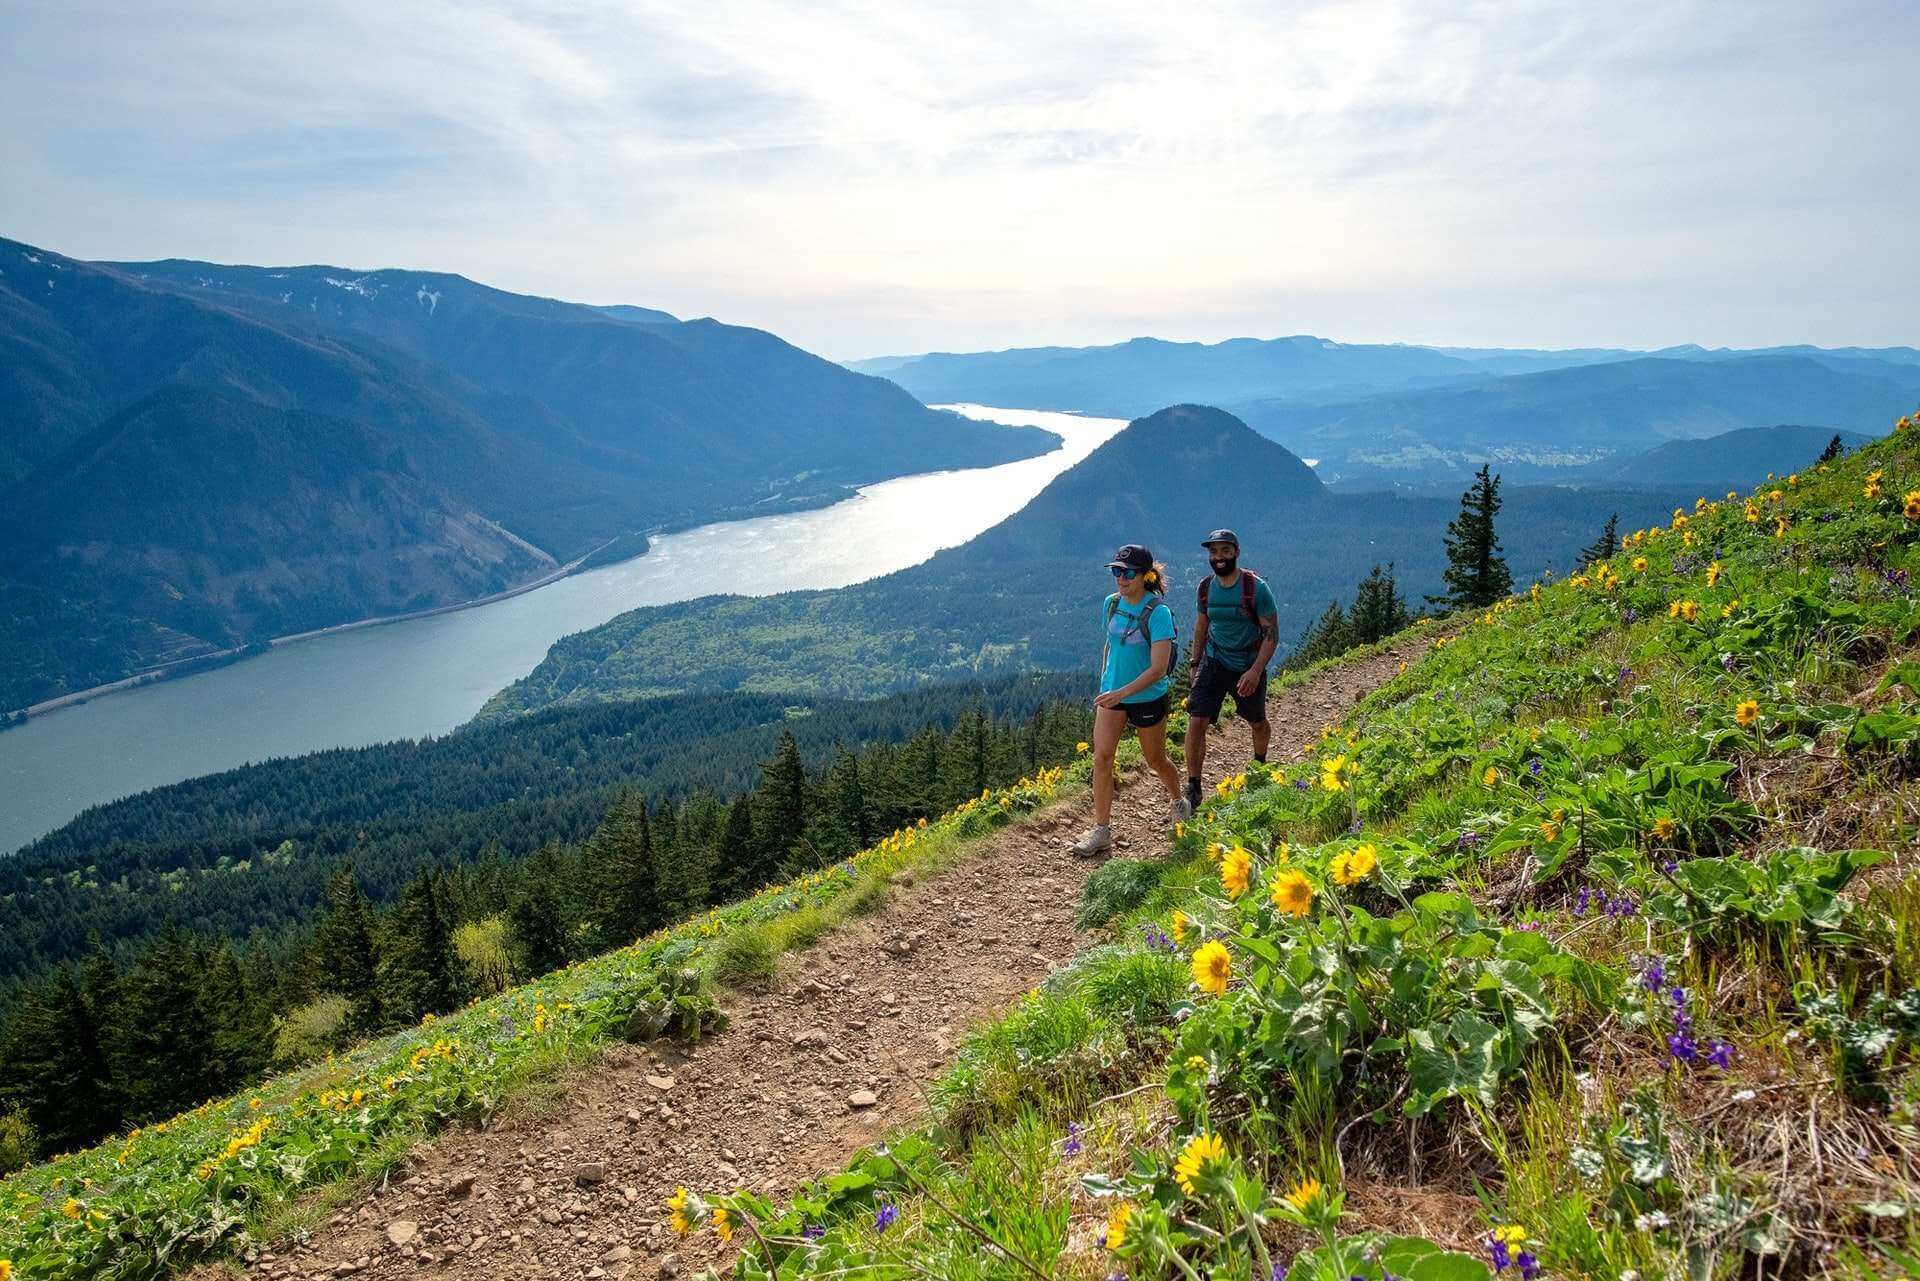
[
  {"x": 351, "y": 286},
  {"x": 32, "y": 258},
  {"x": 431, "y": 297}
]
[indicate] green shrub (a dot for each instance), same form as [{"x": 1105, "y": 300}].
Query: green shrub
[
  {"x": 17, "y": 1140},
  {"x": 1116, "y": 888},
  {"x": 482, "y": 948},
  {"x": 748, "y": 957},
  {"x": 1134, "y": 987},
  {"x": 312, "y": 1029}
]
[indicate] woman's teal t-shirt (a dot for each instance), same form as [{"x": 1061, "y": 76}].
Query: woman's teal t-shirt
[{"x": 1130, "y": 643}]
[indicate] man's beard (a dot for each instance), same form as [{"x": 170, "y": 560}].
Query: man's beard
[{"x": 1224, "y": 567}]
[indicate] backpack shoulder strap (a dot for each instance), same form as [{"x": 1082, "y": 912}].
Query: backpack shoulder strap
[
  {"x": 1204, "y": 583},
  {"x": 1249, "y": 582}
]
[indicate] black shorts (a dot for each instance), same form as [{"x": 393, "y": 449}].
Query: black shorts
[
  {"x": 1145, "y": 715},
  {"x": 1213, "y": 683}
]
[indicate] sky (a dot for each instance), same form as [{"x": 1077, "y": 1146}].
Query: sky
[{"x": 872, "y": 179}]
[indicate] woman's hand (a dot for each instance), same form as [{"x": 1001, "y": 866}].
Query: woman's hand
[{"x": 1109, "y": 699}]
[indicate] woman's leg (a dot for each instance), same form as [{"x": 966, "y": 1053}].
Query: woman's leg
[
  {"x": 1108, "y": 725},
  {"x": 1153, "y": 746}
]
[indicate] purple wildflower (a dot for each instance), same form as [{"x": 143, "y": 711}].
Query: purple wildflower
[
  {"x": 1072, "y": 1145},
  {"x": 886, "y": 1216},
  {"x": 1279, "y": 1272},
  {"x": 1497, "y": 1251},
  {"x": 1626, "y": 673},
  {"x": 1534, "y": 766},
  {"x": 1534, "y": 927},
  {"x": 1669, "y": 865},
  {"x": 1726, "y": 662},
  {"x": 1720, "y": 1053},
  {"x": 814, "y": 1231},
  {"x": 1354, "y": 827},
  {"x": 1583, "y": 900},
  {"x": 1897, "y": 578},
  {"x": 1655, "y": 976},
  {"x": 1622, "y": 906},
  {"x": 1683, "y": 1047},
  {"x": 1300, "y": 785},
  {"x": 1633, "y": 615},
  {"x": 1469, "y": 838},
  {"x": 1528, "y": 1265}
]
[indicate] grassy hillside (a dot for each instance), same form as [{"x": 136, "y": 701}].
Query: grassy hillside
[{"x": 1584, "y": 948}]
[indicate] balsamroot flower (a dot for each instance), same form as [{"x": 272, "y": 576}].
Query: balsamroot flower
[
  {"x": 1639, "y": 564},
  {"x": 1354, "y": 865},
  {"x": 678, "y": 1220},
  {"x": 1293, "y": 893},
  {"x": 1664, "y": 828},
  {"x": 1201, "y": 1151},
  {"x": 1911, "y": 508},
  {"x": 1747, "y": 713},
  {"x": 1081, "y": 747},
  {"x": 1179, "y": 926},
  {"x": 1117, "y": 1225},
  {"x": 1212, "y": 967},
  {"x": 1713, "y": 573},
  {"x": 722, "y": 1226},
  {"x": 1490, "y": 778},
  {"x": 6, "y": 1270},
  {"x": 1236, "y": 866},
  {"x": 1304, "y": 1194}
]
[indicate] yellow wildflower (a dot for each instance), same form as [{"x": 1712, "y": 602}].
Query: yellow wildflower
[
  {"x": 1491, "y": 777},
  {"x": 1639, "y": 564},
  {"x": 721, "y": 1226},
  {"x": 1179, "y": 926},
  {"x": 71, "y": 1209},
  {"x": 1747, "y": 713},
  {"x": 1201, "y": 1151},
  {"x": 1116, "y": 1226},
  {"x": 1753, "y": 513},
  {"x": 1549, "y": 830},
  {"x": 1911, "y": 505},
  {"x": 6, "y": 1270},
  {"x": 677, "y": 1203},
  {"x": 1293, "y": 893},
  {"x": 1236, "y": 866},
  {"x": 1713, "y": 573},
  {"x": 1726, "y": 610},
  {"x": 1082, "y": 747},
  {"x": 1214, "y": 850},
  {"x": 1195, "y": 1063},
  {"x": 1360, "y": 866},
  {"x": 1212, "y": 967},
  {"x": 1304, "y": 1193},
  {"x": 1664, "y": 828}
]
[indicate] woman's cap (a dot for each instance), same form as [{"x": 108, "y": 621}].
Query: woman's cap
[
  {"x": 1222, "y": 536},
  {"x": 1132, "y": 556}
]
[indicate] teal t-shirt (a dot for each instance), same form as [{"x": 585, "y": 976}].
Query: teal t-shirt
[
  {"x": 1233, "y": 639},
  {"x": 1130, "y": 643}
]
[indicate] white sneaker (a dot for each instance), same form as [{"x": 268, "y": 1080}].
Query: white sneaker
[
  {"x": 1096, "y": 842},
  {"x": 1179, "y": 810}
]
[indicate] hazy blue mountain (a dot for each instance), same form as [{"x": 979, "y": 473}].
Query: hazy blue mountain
[
  {"x": 1026, "y": 593},
  {"x": 440, "y": 438},
  {"x": 1133, "y": 377},
  {"x": 1715, "y": 464},
  {"x": 1547, "y": 426}
]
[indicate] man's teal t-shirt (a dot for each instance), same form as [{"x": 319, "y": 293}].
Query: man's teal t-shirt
[
  {"x": 1130, "y": 643},
  {"x": 1233, "y": 639}
]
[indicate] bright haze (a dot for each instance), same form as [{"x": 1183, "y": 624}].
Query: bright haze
[{"x": 897, "y": 177}]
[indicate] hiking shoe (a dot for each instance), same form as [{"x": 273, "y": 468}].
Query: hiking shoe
[
  {"x": 1179, "y": 810},
  {"x": 1096, "y": 842},
  {"x": 1193, "y": 795}
]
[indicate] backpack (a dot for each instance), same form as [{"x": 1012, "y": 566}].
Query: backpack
[
  {"x": 1249, "y": 582},
  {"x": 1140, "y": 624}
]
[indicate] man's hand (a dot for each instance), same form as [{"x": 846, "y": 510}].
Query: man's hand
[
  {"x": 1109, "y": 699},
  {"x": 1249, "y": 681}
]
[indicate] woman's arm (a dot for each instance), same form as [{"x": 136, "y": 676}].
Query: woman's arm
[{"x": 1160, "y": 656}]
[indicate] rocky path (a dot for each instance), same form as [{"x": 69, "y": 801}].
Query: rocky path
[{"x": 804, "y": 1076}]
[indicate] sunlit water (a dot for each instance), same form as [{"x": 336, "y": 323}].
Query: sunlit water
[{"x": 407, "y": 680}]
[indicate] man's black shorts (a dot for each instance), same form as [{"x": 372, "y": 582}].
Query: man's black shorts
[
  {"x": 1213, "y": 682},
  {"x": 1146, "y": 715}
]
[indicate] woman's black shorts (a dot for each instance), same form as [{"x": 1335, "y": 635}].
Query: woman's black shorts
[{"x": 1145, "y": 715}]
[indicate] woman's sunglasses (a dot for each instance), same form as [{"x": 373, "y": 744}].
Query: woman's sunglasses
[{"x": 1128, "y": 574}]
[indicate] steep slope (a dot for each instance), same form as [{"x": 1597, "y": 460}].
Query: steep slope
[
  {"x": 1134, "y": 377},
  {"x": 1021, "y": 594},
  {"x": 568, "y": 427},
  {"x": 1717, "y": 463},
  {"x": 270, "y": 521},
  {"x": 1538, "y": 426}
]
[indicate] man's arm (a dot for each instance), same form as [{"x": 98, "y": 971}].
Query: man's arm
[{"x": 1269, "y": 641}]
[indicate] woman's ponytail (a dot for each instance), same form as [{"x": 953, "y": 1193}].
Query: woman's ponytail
[{"x": 1155, "y": 579}]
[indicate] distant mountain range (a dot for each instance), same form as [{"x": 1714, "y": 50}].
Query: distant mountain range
[
  {"x": 1423, "y": 418},
  {"x": 196, "y": 456},
  {"x": 1025, "y": 593}
]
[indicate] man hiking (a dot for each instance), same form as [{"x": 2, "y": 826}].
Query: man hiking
[{"x": 1233, "y": 640}]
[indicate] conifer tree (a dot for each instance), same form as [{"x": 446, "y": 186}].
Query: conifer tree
[
  {"x": 55, "y": 1065},
  {"x": 1477, "y": 574},
  {"x": 1378, "y": 609},
  {"x": 623, "y": 874},
  {"x": 686, "y": 878},
  {"x": 782, "y": 807},
  {"x": 241, "y": 1035},
  {"x": 736, "y": 855},
  {"x": 163, "y": 1050},
  {"x": 345, "y": 959},
  {"x": 1324, "y": 637},
  {"x": 539, "y": 929},
  {"x": 1603, "y": 547},
  {"x": 1835, "y": 449},
  {"x": 422, "y": 971}
]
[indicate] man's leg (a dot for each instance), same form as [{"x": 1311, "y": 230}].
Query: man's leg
[
  {"x": 1196, "y": 751},
  {"x": 1257, "y": 706}
]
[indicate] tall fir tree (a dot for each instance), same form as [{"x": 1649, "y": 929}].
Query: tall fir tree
[
  {"x": 163, "y": 1051},
  {"x": 1326, "y": 636},
  {"x": 242, "y": 1035},
  {"x": 1477, "y": 574},
  {"x": 782, "y": 809},
  {"x": 55, "y": 1065},
  {"x": 623, "y": 874},
  {"x": 1378, "y": 609},
  {"x": 422, "y": 972},
  {"x": 737, "y": 854},
  {"x": 539, "y": 927},
  {"x": 1604, "y": 547},
  {"x": 345, "y": 956}
]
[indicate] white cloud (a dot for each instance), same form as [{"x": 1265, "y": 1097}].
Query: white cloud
[{"x": 867, "y": 177}]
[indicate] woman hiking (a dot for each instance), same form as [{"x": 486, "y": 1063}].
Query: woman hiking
[{"x": 1133, "y": 688}]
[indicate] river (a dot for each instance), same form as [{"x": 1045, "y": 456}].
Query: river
[{"x": 428, "y": 675}]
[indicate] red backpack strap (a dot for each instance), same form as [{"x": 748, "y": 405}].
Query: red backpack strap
[
  {"x": 1203, "y": 593},
  {"x": 1248, "y": 582}
]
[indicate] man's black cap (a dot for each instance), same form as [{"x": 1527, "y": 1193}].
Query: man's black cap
[
  {"x": 1132, "y": 556},
  {"x": 1222, "y": 536}
]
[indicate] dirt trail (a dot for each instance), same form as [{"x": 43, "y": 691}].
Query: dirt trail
[{"x": 804, "y": 1076}]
